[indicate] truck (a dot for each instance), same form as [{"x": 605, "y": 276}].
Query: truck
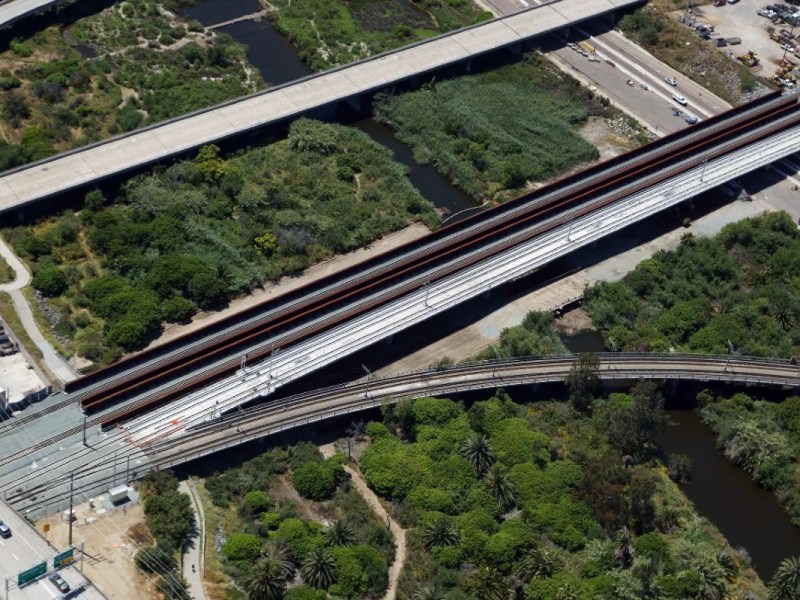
[{"x": 118, "y": 494}]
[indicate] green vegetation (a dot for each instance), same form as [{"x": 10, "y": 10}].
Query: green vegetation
[
  {"x": 170, "y": 522},
  {"x": 6, "y": 272},
  {"x": 761, "y": 437},
  {"x": 742, "y": 285},
  {"x": 272, "y": 538},
  {"x": 193, "y": 235},
  {"x": 540, "y": 500},
  {"x": 681, "y": 49},
  {"x": 151, "y": 65},
  {"x": 328, "y": 34},
  {"x": 498, "y": 131},
  {"x": 534, "y": 337}
]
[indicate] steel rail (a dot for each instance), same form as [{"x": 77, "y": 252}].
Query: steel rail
[
  {"x": 509, "y": 210},
  {"x": 382, "y": 282}
]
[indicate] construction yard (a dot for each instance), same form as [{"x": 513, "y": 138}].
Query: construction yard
[{"x": 740, "y": 20}]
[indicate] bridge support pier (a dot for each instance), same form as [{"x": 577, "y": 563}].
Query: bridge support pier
[
  {"x": 671, "y": 387},
  {"x": 355, "y": 102},
  {"x": 467, "y": 66}
]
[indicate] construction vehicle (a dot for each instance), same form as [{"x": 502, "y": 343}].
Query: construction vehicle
[{"x": 750, "y": 58}]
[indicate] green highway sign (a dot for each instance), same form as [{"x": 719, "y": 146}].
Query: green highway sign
[
  {"x": 34, "y": 572},
  {"x": 64, "y": 558}
]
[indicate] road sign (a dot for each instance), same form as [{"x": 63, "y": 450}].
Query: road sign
[
  {"x": 64, "y": 558},
  {"x": 34, "y": 572}
]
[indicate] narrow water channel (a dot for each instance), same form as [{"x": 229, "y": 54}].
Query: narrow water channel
[
  {"x": 278, "y": 63},
  {"x": 746, "y": 515}
]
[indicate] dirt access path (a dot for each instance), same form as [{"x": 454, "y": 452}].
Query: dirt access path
[{"x": 374, "y": 503}]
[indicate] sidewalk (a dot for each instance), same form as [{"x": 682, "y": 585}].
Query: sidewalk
[
  {"x": 55, "y": 362},
  {"x": 195, "y": 554}
]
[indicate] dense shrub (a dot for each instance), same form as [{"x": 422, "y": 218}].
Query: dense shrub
[
  {"x": 50, "y": 281},
  {"x": 318, "y": 480}
]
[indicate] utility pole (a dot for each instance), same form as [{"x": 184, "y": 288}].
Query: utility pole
[
  {"x": 427, "y": 287},
  {"x": 127, "y": 468},
  {"x": 114, "y": 480},
  {"x": 369, "y": 378},
  {"x": 703, "y": 172},
  {"x": 239, "y": 420},
  {"x": 84, "y": 430},
  {"x": 69, "y": 516}
]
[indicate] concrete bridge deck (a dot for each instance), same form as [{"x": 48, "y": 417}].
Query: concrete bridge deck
[{"x": 84, "y": 166}]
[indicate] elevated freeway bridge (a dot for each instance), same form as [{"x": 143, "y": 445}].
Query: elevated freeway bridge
[
  {"x": 85, "y": 166},
  {"x": 102, "y": 463}
]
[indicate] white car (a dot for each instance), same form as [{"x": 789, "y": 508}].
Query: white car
[
  {"x": 671, "y": 81},
  {"x": 679, "y": 99},
  {"x": 787, "y": 47}
]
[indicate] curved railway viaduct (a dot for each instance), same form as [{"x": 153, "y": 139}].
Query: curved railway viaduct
[
  {"x": 136, "y": 449},
  {"x": 303, "y": 409}
]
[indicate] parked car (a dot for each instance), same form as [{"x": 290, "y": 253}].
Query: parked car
[
  {"x": 679, "y": 99},
  {"x": 671, "y": 81},
  {"x": 787, "y": 47},
  {"x": 720, "y": 2},
  {"x": 5, "y": 530},
  {"x": 60, "y": 583},
  {"x": 732, "y": 1},
  {"x": 691, "y": 119}
]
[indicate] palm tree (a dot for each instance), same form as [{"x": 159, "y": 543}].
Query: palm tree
[
  {"x": 478, "y": 452},
  {"x": 785, "y": 585},
  {"x": 500, "y": 486},
  {"x": 712, "y": 579},
  {"x": 623, "y": 548},
  {"x": 488, "y": 584},
  {"x": 339, "y": 533},
  {"x": 278, "y": 552},
  {"x": 441, "y": 532},
  {"x": 319, "y": 568},
  {"x": 538, "y": 563},
  {"x": 266, "y": 582},
  {"x": 428, "y": 592},
  {"x": 728, "y": 564},
  {"x": 784, "y": 315}
]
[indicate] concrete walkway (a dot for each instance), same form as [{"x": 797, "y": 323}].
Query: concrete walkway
[
  {"x": 374, "y": 503},
  {"x": 195, "y": 555},
  {"x": 54, "y": 361}
]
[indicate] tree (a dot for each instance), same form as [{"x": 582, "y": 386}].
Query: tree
[
  {"x": 339, "y": 533},
  {"x": 785, "y": 584},
  {"x": 317, "y": 480},
  {"x": 278, "y": 552},
  {"x": 439, "y": 532},
  {"x": 266, "y": 582},
  {"x": 242, "y": 546},
  {"x": 50, "y": 281},
  {"x": 500, "y": 486},
  {"x": 428, "y": 592},
  {"x": 488, "y": 584},
  {"x": 173, "y": 586},
  {"x": 582, "y": 381},
  {"x": 177, "y": 310},
  {"x": 154, "y": 559},
  {"x": 319, "y": 568},
  {"x": 538, "y": 563},
  {"x": 478, "y": 452},
  {"x": 255, "y": 502}
]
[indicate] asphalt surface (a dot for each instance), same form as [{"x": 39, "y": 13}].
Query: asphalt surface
[{"x": 24, "y": 549}]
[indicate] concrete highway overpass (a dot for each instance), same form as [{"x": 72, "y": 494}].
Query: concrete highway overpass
[
  {"x": 85, "y": 166},
  {"x": 14, "y": 10}
]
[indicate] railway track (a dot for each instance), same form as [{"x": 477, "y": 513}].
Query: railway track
[
  {"x": 205, "y": 437},
  {"x": 522, "y": 213}
]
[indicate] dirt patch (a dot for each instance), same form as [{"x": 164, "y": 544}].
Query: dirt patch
[
  {"x": 284, "y": 490},
  {"x": 574, "y": 321},
  {"x": 109, "y": 542},
  {"x": 611, "y": 137},
  {"x": 334, "y": 265}
]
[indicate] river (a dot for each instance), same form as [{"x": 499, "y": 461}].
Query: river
[
  {"x": 746, "y": 515},
  {"x": 278, "y": 63}
]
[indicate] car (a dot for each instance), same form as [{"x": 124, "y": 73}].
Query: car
[
  {"x": 671, "y": 81},
  {"x": 787, "y": 47},
  {"x": 60, "y": 583},
  {"x": 5, "y": 530},
  {"x": 691, "y": 119},
  {"x": 732, "y": 1},
  {"x": 679, "y": 99}
]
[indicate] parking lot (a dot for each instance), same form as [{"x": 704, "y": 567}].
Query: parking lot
[{"x": 740, "y": 20}]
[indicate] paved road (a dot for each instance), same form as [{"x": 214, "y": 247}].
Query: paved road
[
  {"x": 117, "y": 156},
  {"x": 54, "y": 361},
  {"x": 24, "y": 549},
  {"x": 13, "y": 10},
  {"x": 194, "y": 558}
]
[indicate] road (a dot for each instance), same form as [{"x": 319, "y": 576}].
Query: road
[
  {"x": 14, "y": 10},
  {"x": 193, "y": 566},
  {"x": 24, "y": 549},
  {"x": 85, "y": 166}
]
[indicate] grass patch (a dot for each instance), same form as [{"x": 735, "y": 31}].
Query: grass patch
[
  {"x": 150, "y": 65},
  {"x": 7, "y": 274},
  {"x": 498, "y": 131},
  {"x": 195, "y": 234},
  {"x": 685, "y": 52},
  {"x": 328, "y": 34}
]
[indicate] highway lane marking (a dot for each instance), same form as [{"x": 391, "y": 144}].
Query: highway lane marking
[
  {"x": 15, "y": 556},
  {"x": 524, "y": 3},
  {"x": 633, "y": 64}
]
